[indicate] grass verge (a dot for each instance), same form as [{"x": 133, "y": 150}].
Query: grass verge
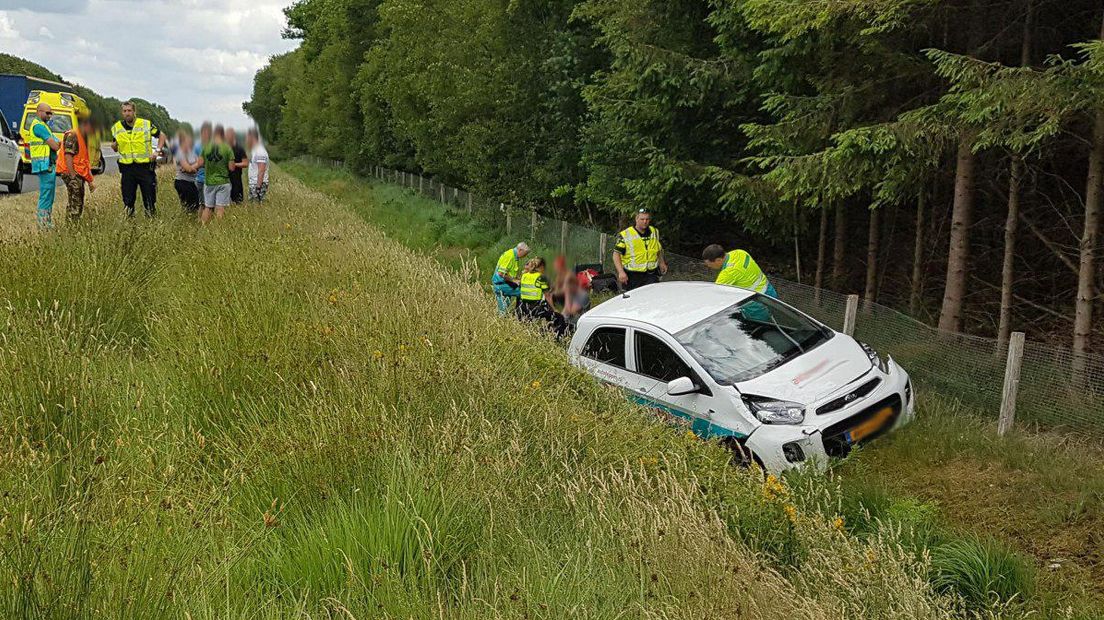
[
  {"x": 289, "y": 414},
  {"x": 1014, "y": 504}
]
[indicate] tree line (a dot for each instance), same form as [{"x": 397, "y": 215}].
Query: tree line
[
  {"x": 941, "y": 156},
  {"x": 104, "y": 110}
]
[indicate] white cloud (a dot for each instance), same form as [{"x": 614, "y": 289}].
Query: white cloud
[
  {"x": 7, "y": 28},
  {"x": 197, "y": 57}
]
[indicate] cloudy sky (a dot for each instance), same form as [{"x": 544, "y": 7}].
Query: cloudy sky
[{"x": 195, "y": 57}]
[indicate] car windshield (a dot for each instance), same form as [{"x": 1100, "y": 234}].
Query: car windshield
[
  {"x": 58, "y": 123},
  {"x": 751, "y": 338}
]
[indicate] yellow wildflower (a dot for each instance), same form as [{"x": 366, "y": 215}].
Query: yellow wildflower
[
  {"x": 535, "y": 385},
  {"x": 838, "y": 523},
  {"x": 378, "y": 355},
  {"x": 690, "y": 435},
  {"x": 791, "y": 512}
]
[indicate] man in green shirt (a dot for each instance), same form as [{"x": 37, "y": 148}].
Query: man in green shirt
[{"x": 216, "y": 159}]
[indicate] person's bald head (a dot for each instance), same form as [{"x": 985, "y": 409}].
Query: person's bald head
[{"x": 44, "y": 111}]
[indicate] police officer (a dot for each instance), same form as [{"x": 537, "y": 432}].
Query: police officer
[
  {"x": 737, "y": 268},
  {"x": 43, "y": 147},
  {"x": 133, "y": 140},
  {"x": 638, "y": 254}
]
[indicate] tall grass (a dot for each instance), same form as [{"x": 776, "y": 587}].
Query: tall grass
[{"x": 289, "y": 414}]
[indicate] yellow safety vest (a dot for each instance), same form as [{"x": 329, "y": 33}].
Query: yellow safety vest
[
  {"x": 135, "y": 144},
  {"x": 40, "y": 151},
  {"x": 508, "y": 264},
  {"x": 533, "y": 286},
  {"x": 740, "y": 269},
  {"x": 641, "y": 254}
]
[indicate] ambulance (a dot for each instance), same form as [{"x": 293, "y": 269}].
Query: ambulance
[{"x": 66, "y": 107}]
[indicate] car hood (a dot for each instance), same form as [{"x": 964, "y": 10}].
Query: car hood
[{"x": 814, "y": 375}]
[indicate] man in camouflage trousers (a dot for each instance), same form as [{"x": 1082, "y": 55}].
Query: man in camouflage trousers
[{"x": 75, "y": 166}]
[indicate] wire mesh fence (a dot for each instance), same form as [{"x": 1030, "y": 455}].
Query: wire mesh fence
[{"x": 1055, "y": 391}]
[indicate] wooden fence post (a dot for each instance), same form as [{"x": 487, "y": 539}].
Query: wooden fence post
[
  {"x": 1011, "y": 383},
  {"x": 532, "y": 226},
  {"x": 421, "y": 184},
  {"x": 442, "y": 193},
  {"x": 849, "y": 314},
  {"x": 602, "y": 240},
  {"x": 563, "y": 238},
  {"x": 509, "y": 219},
  {"x": 469, "y": 203},
  {"x": 456, "y": 194}
]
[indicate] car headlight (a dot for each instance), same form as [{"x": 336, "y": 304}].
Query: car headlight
[
  {"x": 771, "y": 411},
  {"x": 877, "y": 360}
]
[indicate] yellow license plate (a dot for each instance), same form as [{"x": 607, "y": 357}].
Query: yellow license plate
[{"x": 871, "y": 426}]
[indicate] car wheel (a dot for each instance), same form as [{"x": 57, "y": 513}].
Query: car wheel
[
  {"x": 742, "y": 456},
  {"x": 16, "y": 186}
]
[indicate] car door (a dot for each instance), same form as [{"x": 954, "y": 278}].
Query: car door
[
  {"x": 605, "y": 356},
  {"x": 9, "y": 152},
  {"x": 657, "y": 362}
]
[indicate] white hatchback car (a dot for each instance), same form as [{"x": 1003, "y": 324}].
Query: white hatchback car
[{"x": 779, "y": 387}]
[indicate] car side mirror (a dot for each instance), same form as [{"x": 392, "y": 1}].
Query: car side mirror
[{"x": 681, "y": 386}]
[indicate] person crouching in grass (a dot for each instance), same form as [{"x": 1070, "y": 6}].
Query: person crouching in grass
[
  {"x": 535, "y": 303},
  {"x": 216, "y": 159}
]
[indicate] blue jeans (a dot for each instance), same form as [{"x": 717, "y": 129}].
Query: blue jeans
[
  {"x": 504, "y": 294},
  {"x": 47, "y": 183}
]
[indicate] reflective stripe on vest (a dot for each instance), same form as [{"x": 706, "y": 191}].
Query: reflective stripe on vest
[
  {"x": 741, "y": 270},
  {"x": 39, "y": 150},
  {"x": 135, "y": 143},
  {"x": 531, "y": 290},
  {"x": 641, "y": 254}
]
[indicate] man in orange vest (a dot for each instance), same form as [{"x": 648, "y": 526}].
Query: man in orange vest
[{"x": 75, "y": 168}]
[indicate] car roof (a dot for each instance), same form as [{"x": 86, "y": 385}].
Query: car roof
[{"x": 670, "y": 306}]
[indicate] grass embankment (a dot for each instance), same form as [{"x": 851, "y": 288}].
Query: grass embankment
[
  {"x": 288, "y": 414},
  {"x": 1031, "y": 505}
]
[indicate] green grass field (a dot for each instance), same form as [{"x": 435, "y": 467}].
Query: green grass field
[
  {"x": 1039, "y": 498},
  {"x": 291, "y": 414}
]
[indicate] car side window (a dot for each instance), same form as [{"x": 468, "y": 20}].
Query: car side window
[
  {"x": 656, "y": 360},
  {"x": 607, "y": 345},
  {"x": 4, "y": 126}
]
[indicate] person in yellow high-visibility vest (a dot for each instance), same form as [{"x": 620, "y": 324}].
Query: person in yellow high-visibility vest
[
  {"x": 132, "y": 138},
  {"x": 43, "y": 148},
  {"x": 535, "y": 302},
  {"x": 504, "y": 282},
  {"x": 737, "y": 268},
  {"x": 638, "y": 254}
]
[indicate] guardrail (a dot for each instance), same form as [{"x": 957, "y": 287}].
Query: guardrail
[{"x": 1032, "y": 385}]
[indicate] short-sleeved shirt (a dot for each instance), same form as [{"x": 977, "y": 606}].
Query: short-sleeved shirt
[
  {"x": 216, "y": 163},
  {"x": 42, "y": 132},
  {"x": 256, "y": 158},
  {"x": 71, "y": 144},
  {"x": 239, "y": 155},
  {"x": 199, "y": 151},
  {"x": 189, "y": 157}
]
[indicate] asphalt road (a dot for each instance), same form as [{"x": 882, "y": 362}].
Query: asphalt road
[{"x": 30, "y": 181}]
